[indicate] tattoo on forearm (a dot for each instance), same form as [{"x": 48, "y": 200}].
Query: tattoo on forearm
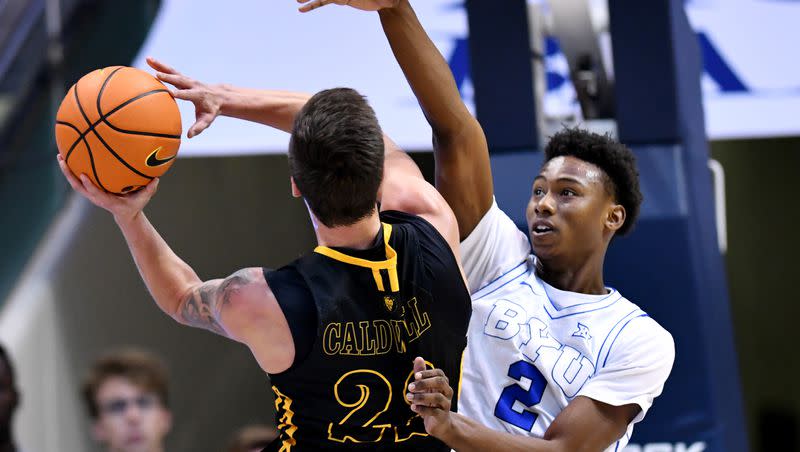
[{"x": 203, "y": 306}]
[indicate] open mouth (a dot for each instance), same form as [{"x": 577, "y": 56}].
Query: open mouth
[{"x": 541, "y": 228}]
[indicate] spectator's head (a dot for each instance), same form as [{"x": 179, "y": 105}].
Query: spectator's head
[
  {"x": 9, "y": 396},
  {"x": 127, "y": 398},
  {"x": 252, "y": 438}
]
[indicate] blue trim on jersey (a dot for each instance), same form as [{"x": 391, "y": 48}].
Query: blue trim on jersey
[
  {"x": 617, "y": 447},
  {"x": 615, "y": 337},
  {"x": 569, "y": 310},
  {"x": 478, "y": 295},
  {"x": 610, "y": 332},
  {"x": 583, "y": 304}
]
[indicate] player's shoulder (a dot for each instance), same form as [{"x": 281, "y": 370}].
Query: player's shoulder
[
  {"x": 406, "y": 224},
  {"x": 643, "y": 331}
]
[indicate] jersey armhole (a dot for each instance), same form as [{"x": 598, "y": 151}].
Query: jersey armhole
[{"x": 297, "y": 304}]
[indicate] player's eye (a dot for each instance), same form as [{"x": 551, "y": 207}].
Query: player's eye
[
  {"x": 537, "y": 191},
  {"x": 568, "y": 192}
]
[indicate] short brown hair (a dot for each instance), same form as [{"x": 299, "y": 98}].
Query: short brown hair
[
  {"x": 336, "y": 156},
  {"x": 141, "y": 368}
]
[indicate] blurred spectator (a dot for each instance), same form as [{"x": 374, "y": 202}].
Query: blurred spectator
[
  {"x": 252, "y": 438},
  {"x": 9, "y": 400},
  {"x": 126, "y": 394}
]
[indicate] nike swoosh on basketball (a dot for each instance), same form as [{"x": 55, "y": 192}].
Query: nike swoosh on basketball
[{"x": 153, "y": 160}]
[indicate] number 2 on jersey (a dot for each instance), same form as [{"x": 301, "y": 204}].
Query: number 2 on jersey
[
  {"x": 362, "y": 422},
  {"x": 504, "y": 410}
]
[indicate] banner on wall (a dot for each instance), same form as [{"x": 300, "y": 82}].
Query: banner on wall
[{"x": 750, "y": 84}]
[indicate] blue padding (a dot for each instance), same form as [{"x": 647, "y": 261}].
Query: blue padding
[{"x": 502, "y": 72}]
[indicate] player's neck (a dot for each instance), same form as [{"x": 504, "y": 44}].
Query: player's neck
[
  {"x": 359, "y": 235},
  {"x": 585, "y": 277}
]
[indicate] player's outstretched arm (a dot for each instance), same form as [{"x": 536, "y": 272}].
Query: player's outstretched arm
[
  {"x": 463, "y": 174},
  {"x": 240, "y": 307},
  {"x": 585, "y": 425},
  {"x": 403, "y": 189},
  {"x": 269, "y": 107}
]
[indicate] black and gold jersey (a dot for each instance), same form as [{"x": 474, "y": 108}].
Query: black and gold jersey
[{"x": 376, "y": 310}]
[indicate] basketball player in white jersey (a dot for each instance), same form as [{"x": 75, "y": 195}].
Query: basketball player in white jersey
[{"x": 556, "y": 361}]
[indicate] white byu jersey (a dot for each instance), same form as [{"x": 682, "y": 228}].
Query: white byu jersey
[{"x": 533, "y": 348}]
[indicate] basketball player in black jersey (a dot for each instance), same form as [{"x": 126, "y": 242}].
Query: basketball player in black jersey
[{"x": 337, "y": 329}]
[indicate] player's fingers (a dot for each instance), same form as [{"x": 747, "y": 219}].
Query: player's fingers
[
  {"x": 143, "y": 194},
  {"x": 430, "y": 373},
  {"x": 429, "y": 399},
  {"x": 434, "y": 384},
  {"x": 425, "y": 411},
  {"x": 161, "y": 67},
  {"x": 194, "y": 131},
  {"x": 185, "y": 94},
  {"x": 202, "y": 123},
  {"x": 310, "y": 6},
  {"x": 91, "y": 189},
  {"x": 73, "y": 182},
  {"x": 419, "y": 364},
  {"x": 152, "y": 187},
  {"x": 178, "y": 80}
]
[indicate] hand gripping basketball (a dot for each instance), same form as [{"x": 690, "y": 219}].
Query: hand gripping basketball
[{"x": 124, "y": 208}]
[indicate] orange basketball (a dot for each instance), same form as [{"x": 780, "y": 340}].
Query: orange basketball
[{"x": 119, "y": 126}]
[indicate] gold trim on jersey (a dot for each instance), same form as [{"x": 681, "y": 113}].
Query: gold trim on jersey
[
  {"x": 285, "y": 422},
  {"x": 390, "y": 264},
  {"x": 461, "y": 373}
]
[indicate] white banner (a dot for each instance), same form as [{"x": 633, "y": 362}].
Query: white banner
[{"x": 751, "y": 85}]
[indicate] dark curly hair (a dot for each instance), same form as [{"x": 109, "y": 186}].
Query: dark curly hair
[{"x": 608, "y": 154}]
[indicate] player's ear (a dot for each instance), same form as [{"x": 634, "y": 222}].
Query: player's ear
[
  {"x": 615, "y": 217},
  {"x": 295, "y": 191}
]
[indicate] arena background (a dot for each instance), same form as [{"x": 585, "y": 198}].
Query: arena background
[{"x": 716, "y": 277}]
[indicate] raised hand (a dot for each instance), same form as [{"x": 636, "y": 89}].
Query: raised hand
[
  {"x": 207, "y": 99},
  {"x": 124, "y": 208},
  {"x": 365, "y": 5},
  {"x": 430, "y": 395}
]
